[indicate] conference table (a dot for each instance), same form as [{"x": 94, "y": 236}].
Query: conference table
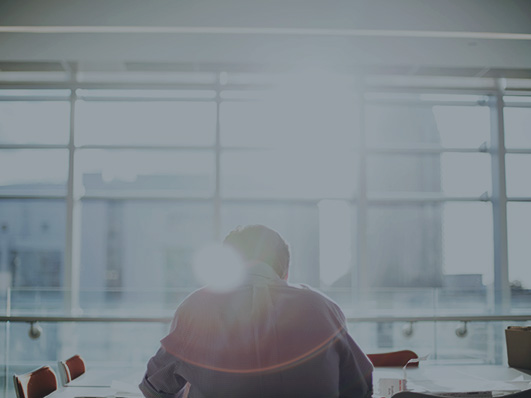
[
  {"x": 447, "y": 378},
  {"x": 430, "y": 376},
  {"x": 105, "y": 377}
]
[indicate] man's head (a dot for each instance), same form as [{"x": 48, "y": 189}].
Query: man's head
[{"x": 257, "y": 243}]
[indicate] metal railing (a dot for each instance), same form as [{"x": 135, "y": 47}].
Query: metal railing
[{"x": 367, "y": 319}]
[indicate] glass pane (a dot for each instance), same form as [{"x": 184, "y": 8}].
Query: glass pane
[
  {"x": 431, "y": 245},
  {"x": 303, "y": 121},
  {"x": 518, "y": 222},
  {"x": 33, "y": 171},
  {"x": 289, "y": 174},
  {"x": 384, "y": 337},
  {"x": 336, "y": 237},
  {"x": 447, "y": 126},
  {"x": 298, "y": 225},
  {"x": 479, "y": 345},
  {"x": 25, "y": 354},
  {"x": 35, "y": 122},
  {"x": 467, "y": 245},
  {"x": 465, "y": 174},
  {"x": 104, "y": 172},
  {"x": 517, "y": 127},
  {"x": 145, "y": 123},
  {"x": 32, "y": 243},
  {"x": 103, "y": 346},
  {"x": 136, "y": 256},
  {"x": 517, "y": 169},
  {"x": 447, "y": 173},
  {"x": 463, "y": 126}
]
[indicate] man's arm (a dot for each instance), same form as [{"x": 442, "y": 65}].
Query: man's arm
[
  {"x": 355, "y": 369},
  {"x": 355, "y": 373},
  {"x": 161, "y": 379}
]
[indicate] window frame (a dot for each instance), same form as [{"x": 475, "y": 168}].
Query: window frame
[{"x": 492, "y": 89}]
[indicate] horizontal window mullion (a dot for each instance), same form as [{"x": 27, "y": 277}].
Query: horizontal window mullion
[
  {"x": 148, "y": 147},
  {"x": 518, "y": 150},
  {"x": 418, "y": 89},
  {"x": 370, "y": 199},
  {"x": 291, "y": 201},
  {"x": 31, "y": 196},
  {"x": 420, "y": 103},
  {"x": 426, "y": 150},
  {"x": 146, "y": 197},
  {"x": 32, "y": 99},
  {"x": 145, "y": 99},
  {"x": 517, "y": 105},
  {"x": 391, "y": 199},
  {"x": 519, "y": 199},
  {"x": 33, "y": 146},
  {"x": 132, "y": 85}
]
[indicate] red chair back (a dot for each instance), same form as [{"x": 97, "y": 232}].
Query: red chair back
[
  {"x": 36, "y": 384},
  {"x": 395, "y": 358},
  {"x": 75, "y": 367}
]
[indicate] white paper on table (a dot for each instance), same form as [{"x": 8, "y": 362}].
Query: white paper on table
[
  {"x": 465, "y": 394},
  {"x": 414, "y": 360},
  {"x": 460, "y": 385},
  {"x": 520, "y": 383}
]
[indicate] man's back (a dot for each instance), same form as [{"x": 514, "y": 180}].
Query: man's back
[{"x": 266, "y": 339}]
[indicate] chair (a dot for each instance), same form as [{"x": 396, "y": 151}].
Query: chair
[
  {"x": 395, "y": 358},
  {"x": 71, "y": 369},
  {"x": 35, "y": 384}
]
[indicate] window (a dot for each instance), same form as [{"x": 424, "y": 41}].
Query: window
[
  {"x": 34, "y": 131},
  {"x": 517, "y": 117},
  {"x": 385, "y": 196},
  {"x": 143, "y": 121}
]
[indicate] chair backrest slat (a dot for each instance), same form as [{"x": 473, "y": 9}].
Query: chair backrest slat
[
  {"x": 395, "y": 358},
  {"x": 64, "y": 374},
  {"x": 75, "y": 366},
  {"x": 35, "y": 384}
]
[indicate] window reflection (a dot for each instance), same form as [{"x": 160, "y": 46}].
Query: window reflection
[
  {"x": 33, "y": 172},
  {"x": 136, "y": 173},
  {"x": 34, "y": 122},
  {"x": 145, "y": 123}
]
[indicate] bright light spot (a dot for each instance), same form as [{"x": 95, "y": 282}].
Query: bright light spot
[{"x": 219, "y": 267}]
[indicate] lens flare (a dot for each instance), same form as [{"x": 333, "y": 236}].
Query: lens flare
[{"x": 219, "y": 267}]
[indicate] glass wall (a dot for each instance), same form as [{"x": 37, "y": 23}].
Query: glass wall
[
  {"x": 384, "y": 195},
  {"x": 517, "y": 115}
]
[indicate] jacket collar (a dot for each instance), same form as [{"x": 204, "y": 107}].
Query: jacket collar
[{"x": 262, "y": 273}]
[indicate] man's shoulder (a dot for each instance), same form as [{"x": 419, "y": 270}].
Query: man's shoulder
[
  {"x": 315, "y": 298},
  {"x": 300, "y": 295},
  {"x": 309, "y": 291},
  {"x": 194, "y": 298}
]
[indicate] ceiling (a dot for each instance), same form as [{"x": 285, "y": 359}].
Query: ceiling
[{"x": 466, "y": 35}]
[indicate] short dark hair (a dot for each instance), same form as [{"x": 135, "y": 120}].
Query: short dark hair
[{"x": 262, "y": 244}]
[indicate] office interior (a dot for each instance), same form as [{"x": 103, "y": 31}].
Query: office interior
[{"x": 387, "y": 141}]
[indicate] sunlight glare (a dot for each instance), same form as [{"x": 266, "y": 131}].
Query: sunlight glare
[{"x": 219, "y": 267}]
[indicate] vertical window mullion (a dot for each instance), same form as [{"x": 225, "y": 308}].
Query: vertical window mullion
[
  {"x": 217, "y": 194},
  {"x": 71, "y": 257},
  {"x": 502, "y": 293},
  {"x": 362, "y": 279},
  {"x": 499, "y": 205}
]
